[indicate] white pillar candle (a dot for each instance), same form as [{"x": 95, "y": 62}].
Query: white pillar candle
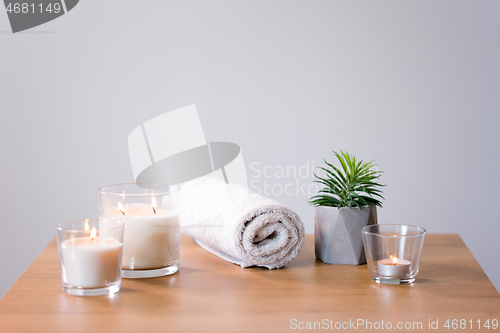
[
  {"x": 151, "y": 237},
  {"x": 393, "y": 267},
  {"x": 91, "y": 262}
]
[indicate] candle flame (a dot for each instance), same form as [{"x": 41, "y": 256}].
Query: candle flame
[
  {"x": 153, "y": 205},
  {"x": 120, "y": 207},
  {"x": 93, "y": 234},
  {"x": 394, "y": 260},
  {"x": 87, "y": 226}
]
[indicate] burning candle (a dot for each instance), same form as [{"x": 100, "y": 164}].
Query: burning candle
[
  {"x": 393, "y": 267},
  {"x": 91, "y": 262},
  {"x": 152, "y": 228},
  {"x": 151, "y": 235}
]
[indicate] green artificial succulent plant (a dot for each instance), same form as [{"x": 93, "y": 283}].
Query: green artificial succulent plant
[{"x": 353, "y": 186}]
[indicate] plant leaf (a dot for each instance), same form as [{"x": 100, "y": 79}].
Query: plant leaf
[{"x": 353, "y": 185}]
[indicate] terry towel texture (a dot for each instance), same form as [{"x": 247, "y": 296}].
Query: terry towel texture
[{"x": 240, "y": 226}]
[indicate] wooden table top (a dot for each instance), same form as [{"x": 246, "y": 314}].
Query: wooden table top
[{"x": 211, "y": 295}]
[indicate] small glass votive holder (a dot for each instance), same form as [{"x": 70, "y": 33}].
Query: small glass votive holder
[
  {"x": 152, "y": 228},
  {"x": 393, "y": 252},
  {"x": 90, "y": 253}
]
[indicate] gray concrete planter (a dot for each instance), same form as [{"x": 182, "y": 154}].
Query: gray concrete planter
[{"x": 337, "y": 234}]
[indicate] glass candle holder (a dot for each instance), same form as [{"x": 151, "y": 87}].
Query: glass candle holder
[
  {"x": 393, "y": 252},
  {"x": 152, "y": 229},
  {"x": 90, "y": 253}
]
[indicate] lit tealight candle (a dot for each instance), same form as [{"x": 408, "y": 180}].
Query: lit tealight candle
[{"x": 393, "y": 267}]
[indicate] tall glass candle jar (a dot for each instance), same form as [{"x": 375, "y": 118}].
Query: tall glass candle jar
[{"x": 152, "y": 229}]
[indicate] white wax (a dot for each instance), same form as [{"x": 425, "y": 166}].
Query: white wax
[
  {"x": 91, "y": 264},
  {"x": 151, "y": 240},
  {"x": 387, "y": 268}
]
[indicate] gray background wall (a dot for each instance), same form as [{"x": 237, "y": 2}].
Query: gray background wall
[{"x": 414, "y": 84}]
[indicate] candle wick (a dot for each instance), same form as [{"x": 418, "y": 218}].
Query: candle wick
[
  {"x": 154, "y": 210},
  {"x": 121, "y": 211}
]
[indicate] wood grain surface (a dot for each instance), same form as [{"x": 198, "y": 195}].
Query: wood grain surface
[{"x": 211, "y": 295}]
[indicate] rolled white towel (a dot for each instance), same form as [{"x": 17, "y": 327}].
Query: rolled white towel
[{"x": 240, "y": 226}]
